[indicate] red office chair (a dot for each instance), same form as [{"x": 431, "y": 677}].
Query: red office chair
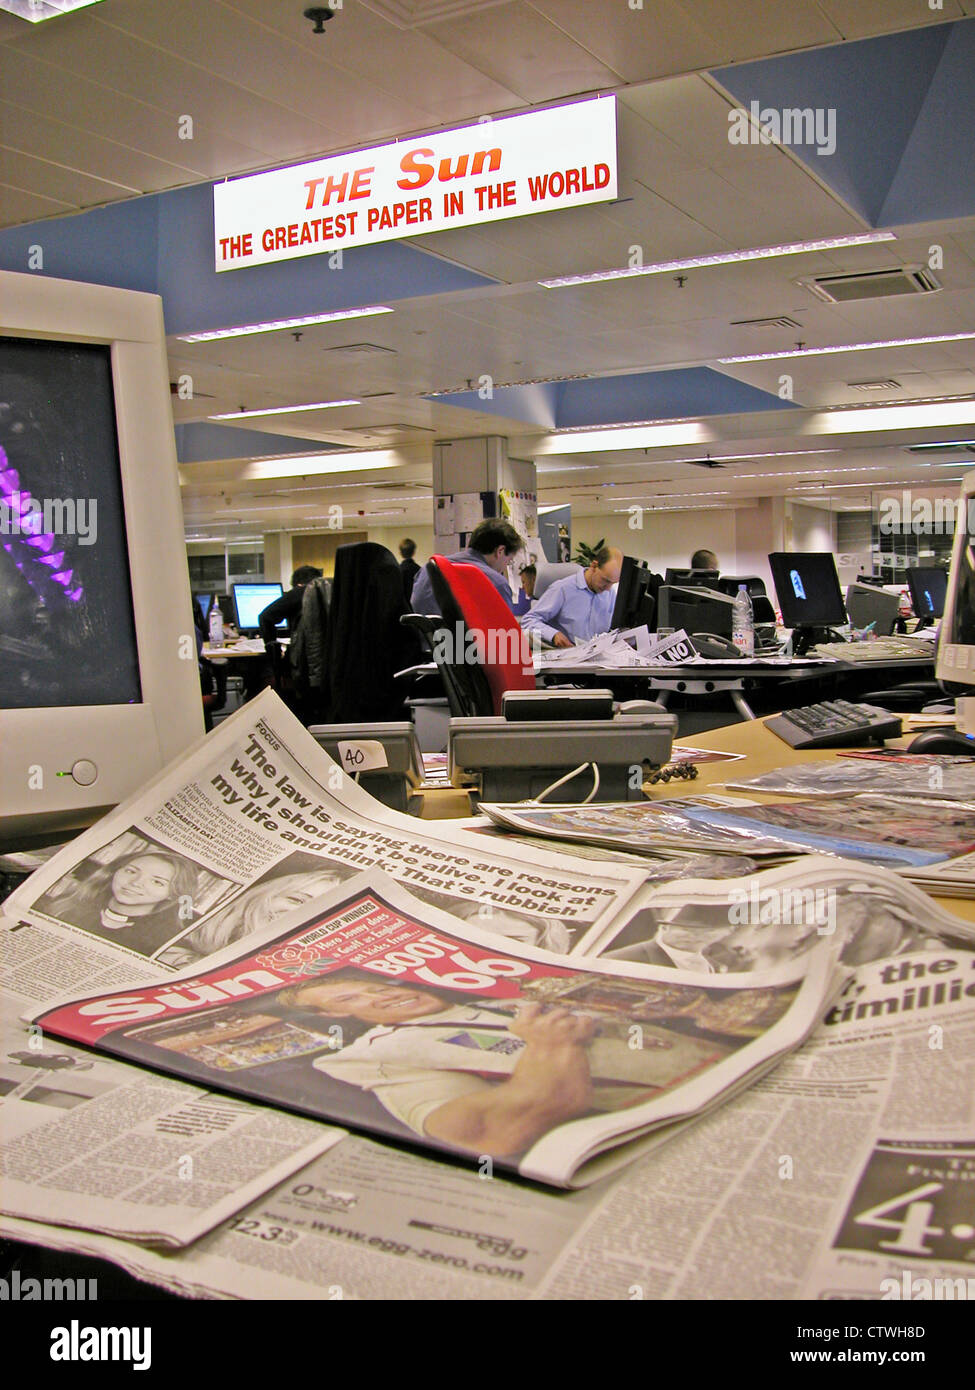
[{"x": 474, "y": 614}]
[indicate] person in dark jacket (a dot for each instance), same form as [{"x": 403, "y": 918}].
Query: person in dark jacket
[{"x": 408, "y": 567}]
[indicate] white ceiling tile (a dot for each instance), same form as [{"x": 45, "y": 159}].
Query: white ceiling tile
[
  {"x": 519, "y": 48},
  {"x": 17, "y": 205},
  {"x": 65, "y": 147},
  {"x": 857, "y": 19},
  {"x": 642, "y": 44},
  {"x": 737, "y": 31}
]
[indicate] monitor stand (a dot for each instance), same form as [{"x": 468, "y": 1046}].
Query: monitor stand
[{"x": 805, "y": 637}]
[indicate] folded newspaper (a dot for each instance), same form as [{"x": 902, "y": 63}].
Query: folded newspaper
[
  {"x": 911, "y": 834},
  {"x": 845, "y": 1173},
  {"x": 373, "y": 1009},
  {"x": 923, "y": 774}
]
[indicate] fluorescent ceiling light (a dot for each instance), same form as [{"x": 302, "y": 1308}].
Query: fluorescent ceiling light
[
  {"x": 897, "y": 417},
  {"x": 753, "y": 253},
  {"x": 272, "y": 327},
  {"x": 307, "y": 465},
  {"x": 281, "y": 410},
  {"x": 36, "y": 10},
  {"x": 945, "y": 444},
  {"x": 630, "y": 437},
  {"x": 847, "y": 347}
]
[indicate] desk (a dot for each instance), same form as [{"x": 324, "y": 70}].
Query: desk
[
  {"x": 769, "y": 683},
  {"x": 763, "y": 751}
]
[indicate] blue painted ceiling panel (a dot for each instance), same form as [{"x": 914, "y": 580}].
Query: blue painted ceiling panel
[
  {"x": 203, "y": 441},
  {"x": 615, "y": 400},
  {"x": 878, "y": 89}
]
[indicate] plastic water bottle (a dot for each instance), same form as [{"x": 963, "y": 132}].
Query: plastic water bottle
[
  {"x": 216, "y": 624},
  {"x": 743, "y": 622}
]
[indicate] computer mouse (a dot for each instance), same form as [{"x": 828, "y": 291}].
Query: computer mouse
[{"x": 943, "y": 741}]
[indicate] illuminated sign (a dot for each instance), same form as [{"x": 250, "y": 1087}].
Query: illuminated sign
[{"x": 558, "y": 158}]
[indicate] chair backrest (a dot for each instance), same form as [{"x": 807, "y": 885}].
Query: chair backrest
[
  {"x": 547, "y": 573},
  {"x": 478, "y": 615},
  {"x": 366, "y": 643}
]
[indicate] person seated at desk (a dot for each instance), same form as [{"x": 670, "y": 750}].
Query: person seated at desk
[
  {"x": 526, "y": 593},
  {"x": 704, "y": 560},
  {"x": 287, "y": 608},
  {"x": 579, "y": 606},
  {"x": 491, "y": 546}
]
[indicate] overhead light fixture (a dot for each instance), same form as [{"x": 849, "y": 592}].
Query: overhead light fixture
[
  {"x": 34, "y": 11},
  {"x": 896, "y": 417},
  {"x": 753, "y": 253},
  {"x": 281, "y": 410},
  {"x": 629, "y": 437},
  {"x": 273, "y": 326},
  {"x": 308, "y": 465},
  {"x": 846, "y": 347}
]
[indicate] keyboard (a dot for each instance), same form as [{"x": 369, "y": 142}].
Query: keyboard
[
  {"x": 834, "y": 724},
  {"x": 880, "y": 649}
]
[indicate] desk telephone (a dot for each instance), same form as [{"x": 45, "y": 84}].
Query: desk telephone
[{"x": 708, "y": 644}]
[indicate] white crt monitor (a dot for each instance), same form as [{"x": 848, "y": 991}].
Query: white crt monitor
[
  {"x": 956, "y": 642},
  {"x": 99, "y": 681}
]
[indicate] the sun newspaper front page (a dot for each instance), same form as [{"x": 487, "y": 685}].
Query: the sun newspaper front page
[
  {"x": 376, "y": 1010},
  {"x": 845, "y": 1173}
]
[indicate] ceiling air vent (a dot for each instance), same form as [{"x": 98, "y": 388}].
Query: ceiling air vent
[
  {"x": 870, "y": 284},
  {"x": 889, "y": 385},
  {"x": 963, "y": 446},
  {"x": 783, "y": 321},
  {"x": 360, "y": 350}
]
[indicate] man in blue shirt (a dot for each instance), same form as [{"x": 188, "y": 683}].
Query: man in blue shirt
[
  {"x": 492, "y": 545},
  {"x": 581, "y": 605}
]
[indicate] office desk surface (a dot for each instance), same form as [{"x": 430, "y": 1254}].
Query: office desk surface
[{"x": 763, "y": 751}]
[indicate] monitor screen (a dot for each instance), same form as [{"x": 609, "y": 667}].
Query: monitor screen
[
  {"x": 635, "y": 595},
  {"x": 64, "y": 570},
  {"x": 808, "y": 588},
  {"x": 250, "y": 600},
  {"x": 702, "y": 578},
  {"x": 867, "y": 604},
  {"x": 929, "y": 588},
  {"x": 99, "y": 682}
]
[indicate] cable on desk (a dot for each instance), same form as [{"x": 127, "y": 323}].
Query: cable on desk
[{"x": 554, "y": 786}]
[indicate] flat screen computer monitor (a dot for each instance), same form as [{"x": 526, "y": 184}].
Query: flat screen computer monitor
[
  {"x": 635, "y": 595},
  {"x": 203, "y": 602},
  {"x": 695, "y": 609},
  {"x": 808, "y": 589},
  {"x": 99, "y": 683},
  {"x": 867, "y": 604},
  {"x": 689, "y": 578},
  {"x": 929, "y": 588},
  {"x": 250, "y": 601},
  {"x": 956, "y": 648}
]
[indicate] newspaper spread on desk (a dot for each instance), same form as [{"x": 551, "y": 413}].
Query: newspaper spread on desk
[
  {"x": 373, "y": 1009},
  {"x": 922, "y": 837},
  {"x": 254, "y": 820},
  {"x": 845, "y": 1173}
]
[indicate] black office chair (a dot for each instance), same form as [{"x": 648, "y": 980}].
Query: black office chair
[{"x": 367, "y": 644}]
